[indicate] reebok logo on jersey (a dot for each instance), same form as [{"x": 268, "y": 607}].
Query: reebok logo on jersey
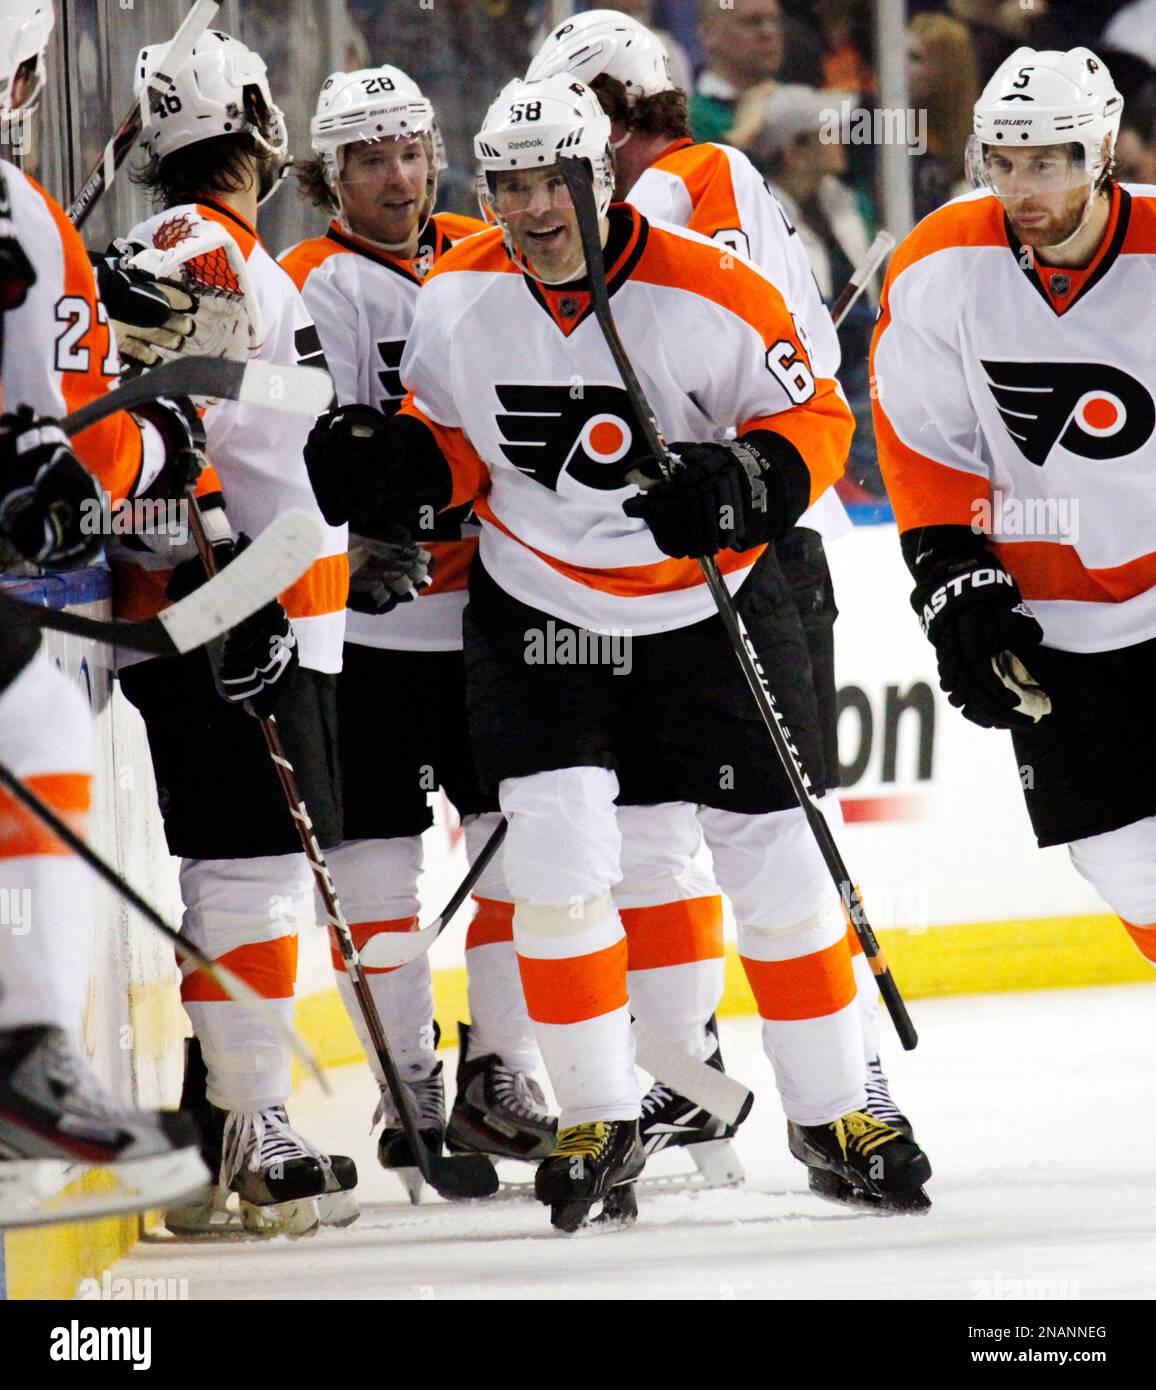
[
  {"x": 546, "y": 429},
  {"x": 1088, "y": 408}
]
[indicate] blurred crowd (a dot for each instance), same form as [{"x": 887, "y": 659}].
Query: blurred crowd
[{"x": 765, "y": 75}]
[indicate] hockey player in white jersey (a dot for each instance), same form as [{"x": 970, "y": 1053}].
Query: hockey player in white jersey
[
  {"x": 378, "y": 152},
  {"x": 1015, "y": 373},
  {"x": 571, "y": 551},
  {"x": 215, "y": 145},
  {"x": 715, "y": 190},
  {"x": 56, "y": 354}
]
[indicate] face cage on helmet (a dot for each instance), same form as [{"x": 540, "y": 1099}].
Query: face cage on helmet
[
  {"x": 434, "y": 146},
  {"x": 1096, "y": 168},
  {"x": 602, "y": 173}
]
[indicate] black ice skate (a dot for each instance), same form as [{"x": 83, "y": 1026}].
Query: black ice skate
[
  {"x": 497, "y": 1111},
  {"x": 879, "y": 1103},
  {"x": 595, "y": 1162},
  {"x": 283, "y": 1185},
  {"x": 881, "y": 1167},
  {"x": 57, "y": 1120},
  {"x": 393, "y": 1147},
  {"x": 669, "y": 1120}
]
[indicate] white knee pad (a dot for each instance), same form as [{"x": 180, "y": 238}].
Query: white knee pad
[
  {"x": 563, "y": 844},
  {"x": 659, "y": 848},
  {"x": 376, "y": 880},
  {"x": 45, "y": 723},
  {"x": 770, "y": 868},
  {"x": 1121, "y": 866},
  {"x": 478, "y": 829}
]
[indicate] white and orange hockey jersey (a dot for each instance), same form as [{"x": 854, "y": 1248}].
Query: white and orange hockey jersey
[
  {"x": 1021, "y": 400},
  {"x": 520, "y": 391},
  {"x": 59, "y": 351},
  {"x": 716, "y": 190},
  {"x": 257, "y": 453},
  {"x": 362, "y": 300}
]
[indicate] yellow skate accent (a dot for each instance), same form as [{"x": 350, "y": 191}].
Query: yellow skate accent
[
  {"x": 582, "y": 1141},
  {"x": 862, "y": 1133}
]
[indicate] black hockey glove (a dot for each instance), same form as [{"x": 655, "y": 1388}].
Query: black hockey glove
[
  {"x": 348, "y": 456},
  {"x": 50, "y": 504},
  {"x": 145, "y": 312},
  {"x": 727, "y": 496},
  {"x": 183, "y": 433},
  {"x": 384, "y": 573},
  {"x": 257, "y": 659},
  {"x": 984, "y": 635}
]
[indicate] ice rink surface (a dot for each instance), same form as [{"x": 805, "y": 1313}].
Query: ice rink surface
[{"x": 1035, "y": 1109}]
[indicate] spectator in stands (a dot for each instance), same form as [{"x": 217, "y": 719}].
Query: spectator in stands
[
  {"x": 793, "y": 148},
  {"x": 1136, "y": 145},
  {"x": 846, "y": 27},
  {"x": 942, "y": 82},
  {"x": 1134, "y": 30},
  {"x": 744, "y": 49}
]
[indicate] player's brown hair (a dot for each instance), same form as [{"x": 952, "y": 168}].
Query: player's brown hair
[
  {"x": 665, "y": 113},
  {"x": 312, "y": 184},
  {"x": 221, "y": 164}
]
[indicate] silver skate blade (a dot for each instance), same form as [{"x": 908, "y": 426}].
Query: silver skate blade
[
  {"x": 718, "y": 1163},
  {"x": 142, "y": 1185},
  {"x": 338, "y": 1208},
  {"x": 297, "y": 1218},
  {"x": 413, "y": 1182}
]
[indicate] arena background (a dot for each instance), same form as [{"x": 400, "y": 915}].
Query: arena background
[{"x": 936, "y": 830}]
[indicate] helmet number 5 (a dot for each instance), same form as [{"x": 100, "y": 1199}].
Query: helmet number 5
[{"x": 790, "y": 370}]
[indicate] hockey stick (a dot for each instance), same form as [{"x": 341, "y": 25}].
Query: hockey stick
[
  {"x": 877, "y": 253},
  {"x": 578, "y": 181},
  {"x": 388, "y": 950},
  {"x": 221, "y": 976},
  {"x": 458, "y": 1176},
  {"x": 298, "y": 390},
  {"x": 117, "y": 149},
  {"x": 279, "y": 555}
]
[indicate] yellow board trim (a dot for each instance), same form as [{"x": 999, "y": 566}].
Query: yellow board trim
[{"x": 970, "y": 958}]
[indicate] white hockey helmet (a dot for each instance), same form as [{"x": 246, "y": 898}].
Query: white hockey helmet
[
  {"x": 25, "y": 27},
  {"x": 1049, "y": 98},
  {"x": 223, "y": 89},
  {"x": 605, "y": 41}
]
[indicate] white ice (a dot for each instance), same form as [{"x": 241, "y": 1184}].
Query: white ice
[{"x": 1035, "y": 1109}]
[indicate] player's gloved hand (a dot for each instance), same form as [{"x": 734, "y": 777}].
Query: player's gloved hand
[
  {"x": 384, "y": 573},
  {"x": 50, "y": 504},
  {"x": 348, "y": 455},
  {"x": 257, "y": 659},
  {"x": 145, "y": 312},
  {"x": 183, "y": 435},
  {"x": 720, "y": 496},
  {"x": 985, "y": 640}
]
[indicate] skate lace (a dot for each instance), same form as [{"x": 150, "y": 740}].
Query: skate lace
[
  {"x": 519, "y": 1094},
  {"x": 429, "y": 1101},
  {"x": 261, "y": 1138},
  {"x": 879, "y": 1102},
  {"x": 862, "y": 1133},
  {"x": 585, "y": 1141}
]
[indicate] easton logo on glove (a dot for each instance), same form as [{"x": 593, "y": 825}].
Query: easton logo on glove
[
  {"x": 983, "y": 578},
  {"x": 1089, "y": 408},
  {"x": 546, "y": 430}
]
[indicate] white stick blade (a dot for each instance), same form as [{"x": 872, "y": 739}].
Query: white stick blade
[
  {"x": 389, "y": 949},
  {"x": 279, "y": 555},
  {"x": 298, "y": 390},
  {"x": 716, "y": 1092}
]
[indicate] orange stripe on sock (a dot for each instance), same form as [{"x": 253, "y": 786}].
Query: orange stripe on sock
[
  {"x": 1144, "y": 937},
  {"x": 673, "y": 933},
  {"x": 493, "y": 922},
  {"x": 269, "y": 967},
  {"x": 68, "y": 793},
  {"x": 361, "y": 932},
  {"x": 806, "y": 987},
  {"x": 575, "y": 989}
]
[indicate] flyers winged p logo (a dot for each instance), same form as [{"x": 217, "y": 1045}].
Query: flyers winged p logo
[
  {"x": 591, "y": 433},
  {"x": 1089, "y": 408}
]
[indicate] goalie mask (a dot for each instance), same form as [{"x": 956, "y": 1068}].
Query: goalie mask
[
  {"x": 222, "y": 90},
  {"x": 1066, "y": 102},
  {"x": 527, "y": 128},
  {"x": 367, "y": 106},
  {"x": 25, "y": 27}
]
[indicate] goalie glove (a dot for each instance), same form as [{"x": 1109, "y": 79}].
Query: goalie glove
[
  {"x": 384, "y": 573},
  {"x": 50, "y": 504},
  {"x": 722, "y": 496},
  {"x": 148, "y": 313},
  {"x": 985, "y": 637}
]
